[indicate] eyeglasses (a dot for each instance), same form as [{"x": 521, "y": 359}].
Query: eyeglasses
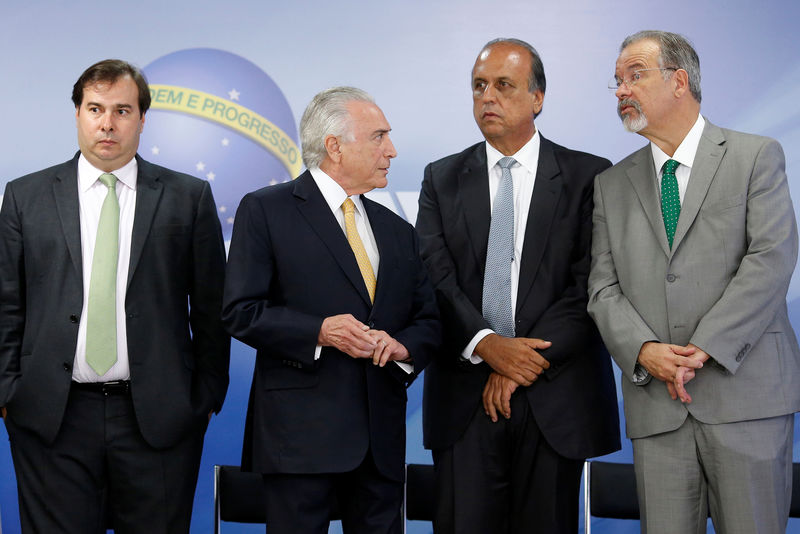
[{"x": 631, "y": 79}]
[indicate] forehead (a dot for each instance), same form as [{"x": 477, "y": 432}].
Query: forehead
[
  {"x": 366, "y": 117},
  {"x": 640, "y": 54},
  {"x": 502, "y": 60},
  {"x": 122, "y": 91}
]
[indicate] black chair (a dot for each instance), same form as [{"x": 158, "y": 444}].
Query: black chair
[
  {"x": 419, "y": 492},
  {"x": 610, "y": 491}
]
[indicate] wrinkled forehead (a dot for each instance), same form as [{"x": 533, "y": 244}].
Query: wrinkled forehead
[{"x": 642, "y": 54}]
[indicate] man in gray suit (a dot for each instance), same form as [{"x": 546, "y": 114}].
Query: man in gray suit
[{"x": 694, "y": 244}]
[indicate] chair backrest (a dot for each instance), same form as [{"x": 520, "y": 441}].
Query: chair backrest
[
  {"x": 609, "y": 491},
  {"x": 420, "y": 492},
  {"x": 239, "y": 497}
]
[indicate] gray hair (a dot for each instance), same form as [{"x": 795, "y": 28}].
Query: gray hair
[
  {"x": 326, "y": 115},
  {"x": 676, "y": 51}
]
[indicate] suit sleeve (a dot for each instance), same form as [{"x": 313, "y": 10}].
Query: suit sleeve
[
  {"x": 12, "y": 295},
  {"x": 211, "y": 344},
  {"x": 460, "y": 319},
  {"x": 251, "y": 312},
  {"x": 422, "y": 336},
  {"x": 752, "y": 297},
  {"x": 622, "y": 328},
  {"x": 565, "y": 322}
]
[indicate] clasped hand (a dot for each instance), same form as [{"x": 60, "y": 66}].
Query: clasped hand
[
  {"x": 672, "y": 364},
  {"x": 354, "y": 338}
]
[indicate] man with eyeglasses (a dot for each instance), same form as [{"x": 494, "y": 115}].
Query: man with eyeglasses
[
  {"x": 693, "y": 247},
  {"x": 522, "y": 390}
]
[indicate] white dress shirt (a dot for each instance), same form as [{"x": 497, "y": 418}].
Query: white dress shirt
[
  {"x": 91, "y": 195},
  {"x": 334, "y": 196},
  {"x": 684, "y": 155},
  {"x": 523, "y": 173}
]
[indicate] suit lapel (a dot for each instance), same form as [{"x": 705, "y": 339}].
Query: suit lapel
[
  {"x": 641, "y": 174},
  {"x": 384, "y": 239},
  {"x": 473, "y": 194},
  {"x": 706, "y": 162},
  {"x": 312, "y": 206},
  {"x": 148, "y": 193},
  {"x": 65, "y": 191},
  {"x": 546, "y": 192}
]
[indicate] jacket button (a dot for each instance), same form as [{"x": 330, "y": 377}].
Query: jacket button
[
  {"x": 740, "y": 356},
  {"x": 67, "y": 367},
  {"x": 73, "y": 318},
  {"x": 671, "y": 278}
]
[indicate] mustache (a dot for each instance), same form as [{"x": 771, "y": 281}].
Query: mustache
[{"x": 628, "y": 102}]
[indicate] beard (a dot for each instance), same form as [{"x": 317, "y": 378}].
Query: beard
[{"x": 631, "y": 124}]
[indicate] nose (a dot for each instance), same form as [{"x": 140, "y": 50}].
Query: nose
[
  {"x": 622, "y": 91},
  {"x": 106, "y": 123},
  {"x": 391, "y": 152}
]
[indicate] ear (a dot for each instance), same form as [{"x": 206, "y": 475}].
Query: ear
[
  {"x": 141, "y": 123},
  {"x": 538, "y": 101},
  {"x": 681, "y": 80},
  {"x": 333, "y": 148}
]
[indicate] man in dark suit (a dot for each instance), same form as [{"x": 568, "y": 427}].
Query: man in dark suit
[
  {"x": 337, "y": 345},
  {"x": 112, "y": 354},
  {"x": 505, "y": 228}
]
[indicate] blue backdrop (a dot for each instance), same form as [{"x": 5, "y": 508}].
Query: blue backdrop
[{"x": 413, "y": 56}]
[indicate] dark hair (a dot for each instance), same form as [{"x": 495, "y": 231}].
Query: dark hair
[
  {"x": 111, "y": 70},
  {"x": 536, "y": 78}
]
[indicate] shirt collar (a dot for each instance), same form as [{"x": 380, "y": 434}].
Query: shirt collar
[
  {"x": 332, "y": 192},
  {"x": 686, "y": 151},
  {"x": 527, "y": 156},
  {"x": 88, "y": 173}
]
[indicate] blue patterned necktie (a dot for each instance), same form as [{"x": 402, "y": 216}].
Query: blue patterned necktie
[
  {"x": 499, "y": 255},
  {"x": 670, "y": 198}
]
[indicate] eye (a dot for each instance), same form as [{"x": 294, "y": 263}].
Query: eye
[
  {"x": 123, "y": 112},
  {"x": 479, "y": 85},
  {"x": 636, "y": 76}
]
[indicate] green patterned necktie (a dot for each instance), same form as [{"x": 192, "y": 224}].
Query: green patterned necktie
[
  {"x": 670, "y": 198},
  {"x": 101, "y": 323}
]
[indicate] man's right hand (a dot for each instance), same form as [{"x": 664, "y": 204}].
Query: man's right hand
[
  {"x": 348, "y": 334},
  {"x": 662, "y": 360},
  {"x": 514, "y": 357}
]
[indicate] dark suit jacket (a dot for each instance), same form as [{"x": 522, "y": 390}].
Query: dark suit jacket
[
  {"x": 574, "y": 403},
  {"x": 290, "y": 266},
  {"x": 177, "y": 347}
]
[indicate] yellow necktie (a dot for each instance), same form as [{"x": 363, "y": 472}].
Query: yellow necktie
[{"x": 357, "y": 245}]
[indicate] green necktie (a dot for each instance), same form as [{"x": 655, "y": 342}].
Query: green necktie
[
  {"x": 670, "y": 198},
  {"x": 101, "y": 323}
]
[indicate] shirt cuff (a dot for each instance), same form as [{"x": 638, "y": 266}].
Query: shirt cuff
[
  {"x": 469, "y": 351},
  {"x": 317, "y": 352},
  {"x": 407, "y": 367}
]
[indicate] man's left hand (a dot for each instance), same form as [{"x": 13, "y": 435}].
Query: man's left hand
[
  {"x": 676, "y": 388},
  {"x": 388, "y": 349},
  {"x": 497, "y": 396}
]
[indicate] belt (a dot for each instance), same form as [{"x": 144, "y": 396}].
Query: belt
[{"x": 117, "y": 387}]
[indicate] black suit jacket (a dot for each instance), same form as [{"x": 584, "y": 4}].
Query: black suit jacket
[
  {"x": 178, "y": 350},
  {"x": 574, "y": 402},
  {"x": 290, "y": 266}
]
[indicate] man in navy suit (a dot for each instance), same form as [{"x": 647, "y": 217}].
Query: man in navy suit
[
  {"x": 511, "y": 414},
  {"x": 112, "y": 357},
  {"x": 329, "y": 288}
]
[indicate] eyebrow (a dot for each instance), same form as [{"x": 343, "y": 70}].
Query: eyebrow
[{"x": 115, "y": 106}]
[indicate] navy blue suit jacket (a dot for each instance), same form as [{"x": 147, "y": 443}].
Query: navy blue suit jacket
[{"x": 290, "y": 266}]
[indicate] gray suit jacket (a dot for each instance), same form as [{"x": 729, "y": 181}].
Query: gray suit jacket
[{"x": 722, "y": 286}]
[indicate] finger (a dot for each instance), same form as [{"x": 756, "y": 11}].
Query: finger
[
  {"x": 672, "y": 392},
  {"x": 682, "y": 394},
  {"x": 487, "y": 403},
  {"x": 691, "y": 363},
  {"x": 683, "y": 351},
  {"x": 505, "y": 400},
  {"x": 536, "y": 343},
  {"x": 388, "y": 350}
]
